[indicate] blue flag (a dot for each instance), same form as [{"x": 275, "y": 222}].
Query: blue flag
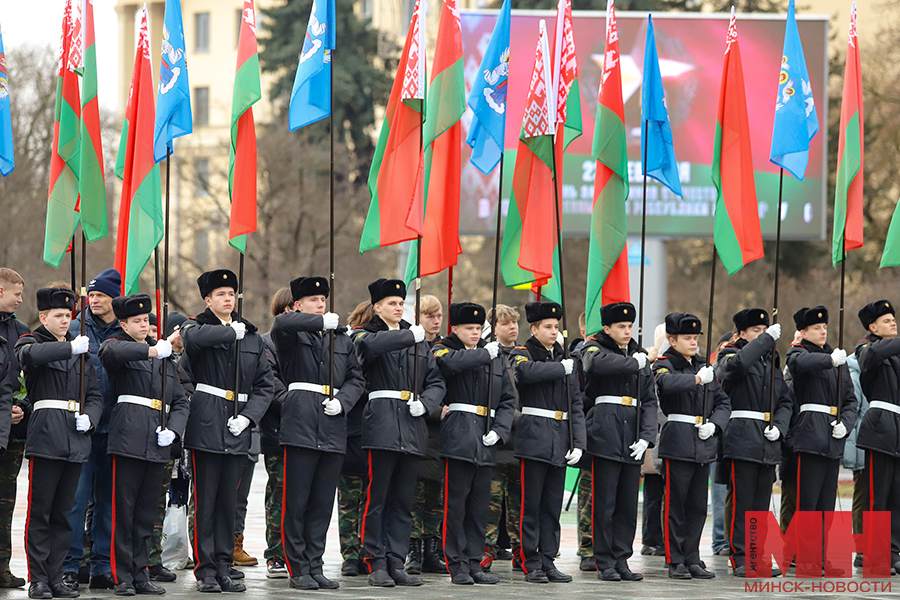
[
  {"x": 311, "y": 96},
  {"x": 795, "y": 111},
  {"x": 173, "y": 101},
  {"x": 488, "y": 98},
  {"x": 7, "y": 160},
  {"x": 657, "y": 148}
]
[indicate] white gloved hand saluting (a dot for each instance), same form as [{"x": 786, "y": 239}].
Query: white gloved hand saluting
[
  {"x": 706, "y": 374},
  {"x": 240, "y": 330},
  {"x": 705, "y": 430},
  {"x": 772, "y": 433},
  {"x": 236, "y": 425},
  {"x": 163, "y": 349},
  {"x": 164, "y": 437},
  {"x": 774, "y": 331},
  {"x": 332, "y": 406},
  {"x": 638, "y": 448},
  {"x": 330, "y": 321},
  {"x": 568, "y": 364},
  {"x": 418, "y": 333},
  {"x": 573, "y": 456},
  {"x": 839, "y": 357},
  {"x": 493, "y": 349},
  {"x": 838, "y": 430},
  {"x": 82, "y": 422},
  {"x": 416, "y": 408},
  {"x": 490, "y": 438},
  {"x": 80, "y": 344}
]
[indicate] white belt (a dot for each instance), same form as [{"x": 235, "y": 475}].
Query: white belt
[
  {"x": 470, "y": 408},
  {"x": 873, "y": 404},
  {"x": 69, "y": 405},
  {"x": 391, "y": 394},
  {"x": 149, "y": 403},
  {"x": 822, "y": 408},
  {"x": 311, "y": 387},
  {"x": 693, "y": 420},
  {"x": 749, "y": 414},
  {"x": 556, "y": 415},
  {"x": 622, "y": 400},
  {"x": 226, "y": 394}
]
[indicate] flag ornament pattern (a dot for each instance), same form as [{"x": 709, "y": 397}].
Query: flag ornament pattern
[
  {"x": 565, "y": 81},
  {"x": 92, "y": 179},
  {"x": 173, "y": 99},
  {"x": 7, "y": 156},
  {"x": 414, "y": 73},
  {"x": 311, "y": 94}
]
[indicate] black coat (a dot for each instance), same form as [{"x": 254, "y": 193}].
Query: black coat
[
  {"x": 879, "y": 375},
  {"x": 815, "y": 382},
  {"x": 303, "y": 351},
  {"x": 7, "y": 376},
  {"x": 506, "y": 452},
  {"x": 11, "y": 329},
  {"x": 210, "y": 349},
  {"x": 132, "y": 427},
  {"x": 611, "y": 371},
  {"x": 271, "y": 421},
  {"x": 53, "y": 373},
  {"x": 467, "y": 374},
  {"x": 387, "y": 362},
  {"x": 744, "y": 370},
  {"x": 679, "y": 393},
  {"x": 541, "y": 381}
]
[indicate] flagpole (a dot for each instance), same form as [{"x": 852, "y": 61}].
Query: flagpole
[
  {"x": 417, "y": 280},
  {"x": 331, "y": 227},
  {"x": 237, "y": 343},
  {"x": 493, "y": 323},
  {"x": 449, "y": 294},
  {"x": 156, "y": 275},
  {"x": 162, "y": 317},
  {"x": 72, "y": 259},
  {"x": 840, "y": 376},
  {"x": 637, "y": 399},
  {"x": 709, "y": 326},
  {"x": 775, "y": 303},
  {"x": 81, "y": 387}
]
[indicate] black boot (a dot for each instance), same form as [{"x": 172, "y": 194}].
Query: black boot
[
  {"x": 399, "y": 574},
  {"x": 433, "y": 559},
  {"x": 414, "y": 560}
]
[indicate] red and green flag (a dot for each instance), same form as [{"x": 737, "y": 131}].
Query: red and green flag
[
  {"x": 737, "y": 233},
  {"x": 848, "y": 185},
  {"x": 242, "y": 155},
  {"x": 92, "y": 183},
  {"x": 140, "y": 227},
  {"x": 65, "y": 158},
  {"x": 607, "y": 276}
]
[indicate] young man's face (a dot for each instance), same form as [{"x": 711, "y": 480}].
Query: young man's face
[
  {"x": 751, "y": 333},
  {"x": 685, "y": 344},
  {"x": 468, "y": 334},
  {"x": 619, "y": 332},
  {"x": 546, "y": 331},
  {"x": 390, "y": 310},
  {"x": 314, "y": 305},
  {"x": 57, "y": 320},
  {"x": 10, "y": 296},
  {"x": 432, "y": 323},
  {"x": 507, "y": 332},
  {"x": 816, "y": 333},
  {"x": 884, "y": 326},
  {"x": 100, "y": 304},
  {"x": 137, "y": 327},
  {"x": 154, "y": 332},
  {"x": 221, "y": 301}
]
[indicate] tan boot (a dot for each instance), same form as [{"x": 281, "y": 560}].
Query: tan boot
[{"x": 240, "y": 557}]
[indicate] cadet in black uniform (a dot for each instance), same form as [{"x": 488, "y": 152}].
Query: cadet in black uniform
[
  {"x": 696, "y": 409},
  {"x": 752, "y": 440},
  {"x": 58, "y": 441},
  {"x": 313, "y": 430},
  {"x": 465, "y": 361},
  {"x": 616, "y": 370},
  {"x": 394, "y": 432},
  {"x": 217, "y": 440},
  {"x": 542, "y": 438},
  {"x": 137, "y": 442}
]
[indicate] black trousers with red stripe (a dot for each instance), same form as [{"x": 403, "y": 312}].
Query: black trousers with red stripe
[
  {"x": 817, "y": 478},
  {"x": 387, "y": 520},
  {"x": 751, "y": 483},
  {"x": 310, "y": 482},
  {"x": 614, "y": 499},
  {"x": 135, "y": 496},
  {"x": 467, "y": 497},
  {"x": 51, "y": 494},
  {"x": 684, "y": 510},
  {"x": 216, "y": 478},
  {"x": 883, "y": 477},
  {"x": 543, "y": 486}
]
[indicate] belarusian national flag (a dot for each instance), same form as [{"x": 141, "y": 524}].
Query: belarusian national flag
[
  {"x": 242, "y": 156},
  {"x": 737, "y": 234},
  {"x": 92, "y": 180},
  {"x": 140, "y": 226},
  {"x": 848, "y": 185}
]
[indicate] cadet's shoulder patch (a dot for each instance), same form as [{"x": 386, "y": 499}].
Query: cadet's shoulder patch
[
  {"x": 592, "y": 348},
  {"x": 441, "y": 352},
  {"x": 521, "y": 358},
  {"x": 662, "y": 370},
  {"x": 358, "y": 335}
]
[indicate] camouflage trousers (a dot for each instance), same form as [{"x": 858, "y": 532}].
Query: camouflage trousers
[
  {"x": 428, "y": 509},
  {"x": 273, "y": 499},
  {"x": 10, "y": 463},
  {"x": 156, "y": 536},
  {"x": 351, "y": 506},
  {"x": 585, "y": 504},
  {"x": 506, "y": 491}
]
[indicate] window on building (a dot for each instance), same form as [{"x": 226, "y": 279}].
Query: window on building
[
  {"x": 201, "y": 32},
  {"x": 201, "y": 106},
  {"x": 367, "y": 8},
  {"x": 201, "y": 246},
  {"x": 201, "y": 177}
]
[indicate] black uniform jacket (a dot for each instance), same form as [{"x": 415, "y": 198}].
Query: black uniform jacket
[
  {"x": 879, "y": 375},
  {"x": 541, "y": 381},
  {"x": 303, "y": 353},
  {"x": 815, "y": 382},
  {"x": 744, "y": 370},
  {"x": 132, "y": 427},
  {"x": 611, "y": 371},
  {"x": 53, "y": 373},
  {"x": 387, "y": 361},
  {"x": 210, "y": 348},
  {"x": 269, "y": 424},
  {"x": 6, "y": 391},
  {"x": 467, "y": 372},
  {"x": 680, "y": 394},
  {"x": 12, "y": 329}
]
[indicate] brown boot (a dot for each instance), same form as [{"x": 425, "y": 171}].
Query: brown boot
[{"x": 241, "y": 557}]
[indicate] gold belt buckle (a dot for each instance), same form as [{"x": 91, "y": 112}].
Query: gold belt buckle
[
  {"x": 156, "y": 404},
  {"x": 326, "y": 390},
  {"x": 72, "y": 405},
  {"x": 698, "y": 420},
  {"x": 229, "y": 395},
  {"x": 627, "y": 401},
  {"x": 833, "y": 411},
  {"x": 558, "y": 416},
  {"x": 405, "y": 395},
  {"x": 766, "y": 416},
  {"x": 481, "y": 411}
]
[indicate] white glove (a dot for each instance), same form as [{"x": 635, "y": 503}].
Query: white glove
[
  {"x": 573, "y": 456},
  {"x": 80, "y": 344},
  {"x": 838, "y": 430},
  {"x": 240, "y": 330},
  {"x": 839, "y": 357},
  {"x": 772, "y": 434},
  {"x": 641, "y": 359},
  {"x": 774, "y": 331},
  {"x": 638, "y": 448},
  {"x": 332, "y": 406},
  {"x": 705, "y": 430},
  {"x": 82, "y": 422},
  {"x": 706, "y": 375},
  {"x": 163, "y": 349},
  {"x": 416, "y": 408},
  {"x": 569, "y": 365},
  {"x": 493, "y": 349},
  {"x": 418, "y": 332},
  {"x": 330, "y": 321},
  {"x": 164, "y": 437},
  {"x": 490, "y": 438},
  {"x": 236, "y": 425}
]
